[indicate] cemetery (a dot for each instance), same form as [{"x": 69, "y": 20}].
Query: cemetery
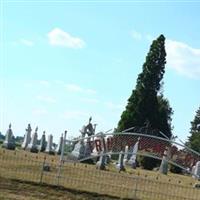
[{"x": 92, "y": 166}]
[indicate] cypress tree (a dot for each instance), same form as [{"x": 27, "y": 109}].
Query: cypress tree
[{"x": 145, "y": 104}]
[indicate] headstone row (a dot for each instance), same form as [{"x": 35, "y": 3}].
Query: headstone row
[{"x": 30, "y": 142}]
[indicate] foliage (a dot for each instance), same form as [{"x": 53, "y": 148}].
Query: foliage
[
  {"x": 194, "y": 138},
  {"x": 145, "y": 105}
]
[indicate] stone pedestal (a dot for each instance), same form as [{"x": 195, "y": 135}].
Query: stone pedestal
[{"x": 9, "y": 142}]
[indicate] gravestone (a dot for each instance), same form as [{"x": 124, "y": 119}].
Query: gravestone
[
  {"x": 27, "y": 137},
  {"x": 101, "y": 164},
  {"x": 49, "y": 148},
  {"x": 42, "y": 146},
  {"x": 120, "y": 164},
  {"x": 79, "y": 150},
  {"x": 132, "y": 160},
  {"x": 193, "y": 170},
  {"x": 197, "y": 170},
  {"x": 59, "y": 148},
  {"x": 126, "y": 154},
  {"x": 9, "y": 142},
  {"x": 32, "y": 147},
  {"x": 164, "y": 164},
  {"x": 82, "y": 149}
]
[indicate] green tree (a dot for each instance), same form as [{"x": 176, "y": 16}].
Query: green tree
[
  {"x": 194, "y": 138},
  {"x": 145, "y": 104}
]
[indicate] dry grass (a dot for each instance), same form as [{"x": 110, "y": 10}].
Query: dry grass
[{"x": 138, "y": 183}]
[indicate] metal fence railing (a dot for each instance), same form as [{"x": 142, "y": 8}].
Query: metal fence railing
[{"x": 43, "y": 168}]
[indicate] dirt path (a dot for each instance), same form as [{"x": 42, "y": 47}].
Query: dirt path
[{"x": 16, "y": 190}]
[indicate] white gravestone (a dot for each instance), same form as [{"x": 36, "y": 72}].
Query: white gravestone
[
  {"x": 9, "y": 142},
  {"x": 197, "y": 170},
  {"x": 132, "y": 160},
  {"x": 33, "y": 144},
  {"x": 27, "y": 137},
  {"x": 59, "y": 149},
  {"x": 193, "y": 170},
  {"x": 164, "y": 164},
  {"x": 120, "y": 165},
  {"x": 43, "y": 142},
  {"x": 79, "y": 150},
  {"x": 101, "y": 164},
  {"x": 82, "y": 149},
  {"x": 49, "y": 148}
]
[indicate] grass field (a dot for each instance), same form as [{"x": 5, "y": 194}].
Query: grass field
[{"x": 143, "y": 184}]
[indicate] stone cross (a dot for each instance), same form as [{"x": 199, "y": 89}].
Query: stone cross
[
  {"x": 27, "y": 137},
  {"x": 9, "y": 142}
]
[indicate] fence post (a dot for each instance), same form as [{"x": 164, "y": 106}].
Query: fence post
[
  {"x": 61, "y": 158},
  {"x": 43, "y": 164}
]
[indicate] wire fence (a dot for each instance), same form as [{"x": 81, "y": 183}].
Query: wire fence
[{"x": 42, "y": 168}]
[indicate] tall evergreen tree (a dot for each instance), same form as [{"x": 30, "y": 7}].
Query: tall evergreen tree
[
  {"x": 194, "y": 138},
  {"x": 144, "y": 104}
]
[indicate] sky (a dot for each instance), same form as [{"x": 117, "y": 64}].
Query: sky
[{"x": 64, "y": 61}]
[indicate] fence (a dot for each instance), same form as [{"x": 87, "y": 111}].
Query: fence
[{"x": 22, "y": 165}]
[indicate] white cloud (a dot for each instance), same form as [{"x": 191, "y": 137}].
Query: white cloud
[
  {"x": 39, "y": 111},
  {"x": 77, "y": 88},
  {"x": 136, "y": 35},
  {"x": 46, "y": 99},
  {"x": 26, "y": 42},
  {"x": 113, "y": 106},
  {"x": 183, "y": 58},
  {"x": 58, "y": 37}
]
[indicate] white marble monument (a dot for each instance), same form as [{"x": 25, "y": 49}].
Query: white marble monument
[
  {"x": 59, "y": 148},
  {"x": 49, "y": 147},
  {"x": 27, "y": 137},
  {"x": 32, "y": 147},
  {"x": 42, "y": 146},
  {"x": 9, "y": 142}
]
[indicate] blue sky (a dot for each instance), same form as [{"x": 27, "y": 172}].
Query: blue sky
[{"x": 64, "y": 62}]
